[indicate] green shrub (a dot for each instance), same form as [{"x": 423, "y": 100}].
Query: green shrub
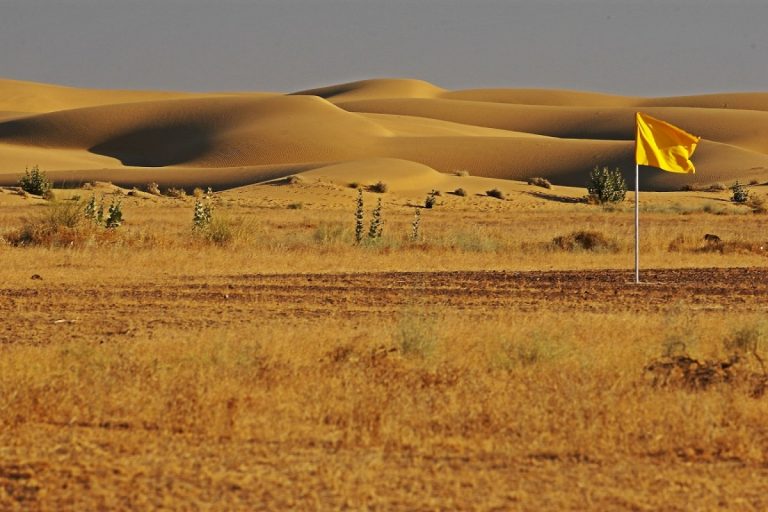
[
  {"x": 606, "y": 186},
  {"x": 359, "y": 217},
  {"x": 114, "y": 215},
  {"x": 377, "y": 224},
  {"x": 431, "y": 199},
  {"x": 35, "y": 181},
  {"x": 415, "y": 234},
  {"x": 740, "y": 193},
  {"x": 202, "y": 214}
]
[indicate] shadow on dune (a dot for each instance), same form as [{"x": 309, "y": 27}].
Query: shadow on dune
[
  {"x": 157, "y": 147},
  {"x": 556, "y": 198}
]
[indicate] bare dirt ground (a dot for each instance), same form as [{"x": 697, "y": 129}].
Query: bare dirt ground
[{"x": 47, "y": 312}]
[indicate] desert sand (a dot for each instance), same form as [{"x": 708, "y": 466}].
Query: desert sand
[{"x": 343, "y": 132}]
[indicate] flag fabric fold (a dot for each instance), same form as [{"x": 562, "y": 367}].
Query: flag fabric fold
[{"x": 662, "y": 145}]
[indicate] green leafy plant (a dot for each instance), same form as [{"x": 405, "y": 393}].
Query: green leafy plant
[
  {"x": 431, "y": 199},
  {"x": 606, "y": 185},
  {"x": 377, "y": 224},
  {"x": 35, "y": 181},
  {"x": 415, "y": 235},
  {"x": 740, "y": 193},
  {"x": 203, "y": 211},
  {"x": 114, "y": 215},
  {"x": 359, "y": 217},
  {"x": 94, "y": 212}
]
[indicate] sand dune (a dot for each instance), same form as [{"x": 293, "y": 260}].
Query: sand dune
[{"x": 407, "y": 132}]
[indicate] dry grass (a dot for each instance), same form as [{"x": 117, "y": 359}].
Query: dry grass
[{"x": 178, "y": 372}]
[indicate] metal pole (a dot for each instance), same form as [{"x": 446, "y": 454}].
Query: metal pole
[{"x": 637, "y": 223}]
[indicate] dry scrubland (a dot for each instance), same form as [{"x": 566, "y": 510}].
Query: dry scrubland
[
  {"x": 269, "y": 362},
  {"x": 481, "y": 367}
]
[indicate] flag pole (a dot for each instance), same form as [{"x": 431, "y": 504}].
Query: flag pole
[{"x": 637, "y": 223}]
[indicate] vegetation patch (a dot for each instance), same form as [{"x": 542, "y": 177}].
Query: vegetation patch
[
  {"x": 606, "y": 186},
  {"x": 35, "y": 182},
  {"x": 379, "y": 187},
  {"x": 683, "y": 371},
  {"x": 585, "y": 241},
  {"x": 540, "y": 182}
]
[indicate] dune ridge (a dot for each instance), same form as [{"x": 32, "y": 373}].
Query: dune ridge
[{"x": 390, "y": 129}]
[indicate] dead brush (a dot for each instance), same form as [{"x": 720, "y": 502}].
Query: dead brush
[
  {"x": 686, "y": 372},
  {"x": 584, "y": 241},
  {"x": 680, "y": 370}
]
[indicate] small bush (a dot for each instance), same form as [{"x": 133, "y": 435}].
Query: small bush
[
  {"x": 295, "y": 206},
  {"x": 498, "y": 194},
  {"x": 114, "y": 216},
  {"x": 585, "y": 241},
  {"x": 415, "y": 234},
  {"x": 61, "y": 225},
  {"x": 198, "y": 193},
  {"x": 757, "y": 203},
  {"x": 359, "y": 216},
  {"x": 606, "y": 186},
  {"x": 379, "y": 187},
  {"x": 377, "y": 224},
  {"x": 354, "y": 185},
  {"x": 220, "y": 232},
  {"x": 330, "y": 233},
  {"x": 460, "y": 192},
  {"x": 540, "y": 182},
  {"x": 416, "y": 336},
  {"x": 153, "y": 188},
  {"x": 202, "y": 214},
  {"x": 754, "y": 182},
  {"x": 462, "y": 174},
  {"x": 431, "y": 199},
  {"x": 34, "y": 181},
  {"x": 176, "y": 193},
  {"x": 740, "y": 193},
  {"x": 746, "y": 339}
]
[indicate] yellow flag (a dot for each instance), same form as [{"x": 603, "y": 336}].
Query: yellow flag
[{"x": 663, "y": 145}]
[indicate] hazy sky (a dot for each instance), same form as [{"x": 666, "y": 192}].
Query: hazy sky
[{"x": 644, "y": 47}]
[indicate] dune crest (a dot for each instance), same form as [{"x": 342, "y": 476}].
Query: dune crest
[{"x": 399, "y": 128}]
